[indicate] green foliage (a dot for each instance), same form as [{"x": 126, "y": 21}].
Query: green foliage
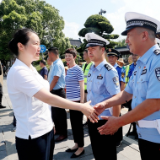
[
  {"x": 121, "y": 43},
  {"x": 99, "y": 25},
  {"x": 35, "y": 14}
]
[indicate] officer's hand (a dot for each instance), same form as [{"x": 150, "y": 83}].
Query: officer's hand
[
  {"x": 90, "y": 112},
  {"x": 110, "y": 127},
  {"x": 99, "y": 107}
]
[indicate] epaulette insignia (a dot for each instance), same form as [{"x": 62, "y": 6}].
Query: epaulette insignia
[
  {"x": 157, "y": 52},
  {"x": 108, "y": 67}
]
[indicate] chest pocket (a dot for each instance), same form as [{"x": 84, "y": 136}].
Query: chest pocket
[
  {"x": 143, "y": 85},
  {"x": 99, "y": 85}
]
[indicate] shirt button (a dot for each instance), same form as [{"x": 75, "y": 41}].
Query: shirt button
[
  {"x": 141, "y": 79},
  {"x": 139, "y": 67},
  {"x": 134, "y": 96}
]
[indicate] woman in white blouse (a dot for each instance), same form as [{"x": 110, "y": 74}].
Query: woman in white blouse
[{"x": 30, "y": 96}]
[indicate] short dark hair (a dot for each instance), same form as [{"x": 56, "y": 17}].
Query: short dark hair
[
  {"x": 71, "y": 51},
  {"x": 43, "y": 61},
  {"x": 53, "y": 50},
  {"x": 85, "y": 51},
  {"x": 20, "y": 36}
]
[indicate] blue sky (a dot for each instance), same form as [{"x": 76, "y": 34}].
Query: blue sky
[{"x": 75, "y": 12}]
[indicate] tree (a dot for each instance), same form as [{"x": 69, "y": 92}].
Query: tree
[
  {"x": 99, "y": 25},
  {"x": 35, "y": 14},
  {"x": 121, "y": 43}
]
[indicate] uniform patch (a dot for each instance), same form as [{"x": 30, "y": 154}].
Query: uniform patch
[
  {"x": 144, "y": 71},
  {"x": 157, "y": 72},
  {"x": 108, "y": 67},
  {"x": 122, "y": 75},
  {"x": 116, "y": 81},
  {"x": 89, "y": 75},
  {"x": 157, "y": 52},
  {"x": 135, "y": 72}
]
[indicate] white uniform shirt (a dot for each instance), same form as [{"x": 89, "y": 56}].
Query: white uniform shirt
[{"x": 33, "y": 116}]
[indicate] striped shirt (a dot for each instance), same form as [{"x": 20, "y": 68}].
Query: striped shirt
[{"x": 73, "y": 77}]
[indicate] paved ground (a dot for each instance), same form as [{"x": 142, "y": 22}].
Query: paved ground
[{"x": 127, "y": 151}]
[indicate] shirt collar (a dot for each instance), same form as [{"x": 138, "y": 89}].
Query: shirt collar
[
  {"x": 144, "y": 59},
  {"x": 20, "y": 63},
  {"x": 56, "y": 61},
  {"x": 115, "y": 66},
  {"x": 99, "y": 66}
]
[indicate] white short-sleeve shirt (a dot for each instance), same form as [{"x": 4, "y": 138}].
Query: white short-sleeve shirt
[{"x": 33, "y": 116}]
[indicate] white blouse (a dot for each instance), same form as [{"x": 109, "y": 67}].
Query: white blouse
[{"x": 33, "y": 116}]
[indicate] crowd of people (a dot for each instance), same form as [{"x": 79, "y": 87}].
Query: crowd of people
[{"x": 98, "y": 89}]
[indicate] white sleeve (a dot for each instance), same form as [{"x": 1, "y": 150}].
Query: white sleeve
[{"x": 25, "y": 82}]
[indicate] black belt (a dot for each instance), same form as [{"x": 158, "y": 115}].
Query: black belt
[{"x": 57, "y": 90}]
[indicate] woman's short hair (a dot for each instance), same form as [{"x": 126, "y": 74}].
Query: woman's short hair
[
  {"x": 71, "y": 51},
  {"x": 21, "y": 36}
]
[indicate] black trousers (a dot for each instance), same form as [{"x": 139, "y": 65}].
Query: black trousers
[
  {"x": 103, "y": 146},
  {"x": 119, "y": 135},
  {"x": 149, "y": 150},
  {"x": 59, "y": 115},
  {"x": 40, "y": 148},
  {"x": 76, "y": 118}
]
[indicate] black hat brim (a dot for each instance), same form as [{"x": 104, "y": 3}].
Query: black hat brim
[
  {"x": 111, "y": 54},
  {"x": 124, "y": 33},
  {"x": 92, "y": 45}
]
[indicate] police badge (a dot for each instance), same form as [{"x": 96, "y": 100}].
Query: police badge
[{"x": 157, "y": 72}]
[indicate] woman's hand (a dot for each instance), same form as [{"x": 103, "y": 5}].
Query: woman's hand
[{"x": 90, "y": 112}]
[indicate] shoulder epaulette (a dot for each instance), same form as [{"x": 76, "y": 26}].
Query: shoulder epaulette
[
  {"x": 108, "y": 67},
  {"x": 157, "y": 52}
]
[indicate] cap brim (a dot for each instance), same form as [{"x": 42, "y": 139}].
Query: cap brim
[
  {"x": 112, "y": 54},
  {"x": 92, "y": 45},
  {"x": 124, "y": 33}
]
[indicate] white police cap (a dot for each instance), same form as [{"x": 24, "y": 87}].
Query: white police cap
[
  {"x": 95, "y": 40},
  {"x": 134, "y": 19}
]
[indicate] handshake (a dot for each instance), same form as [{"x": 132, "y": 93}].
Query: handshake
[{"x": 92, "y": 113}]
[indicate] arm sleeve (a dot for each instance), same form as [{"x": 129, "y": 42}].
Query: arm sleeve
[
  {"x": 45, "y": 71},
  {"x": 80, "y": 75},
  {"x": 26, "y": 83},
  {"x": 112, "y": 82},
  {"x": 153, "y": 90},
  {"x": 57, "y": 71}
]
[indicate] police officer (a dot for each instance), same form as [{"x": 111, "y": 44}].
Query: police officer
[
  {"x": 102, "y": 83},
  {"x": 113, "y": 56},
  {"x": 144, "y": 87}
]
